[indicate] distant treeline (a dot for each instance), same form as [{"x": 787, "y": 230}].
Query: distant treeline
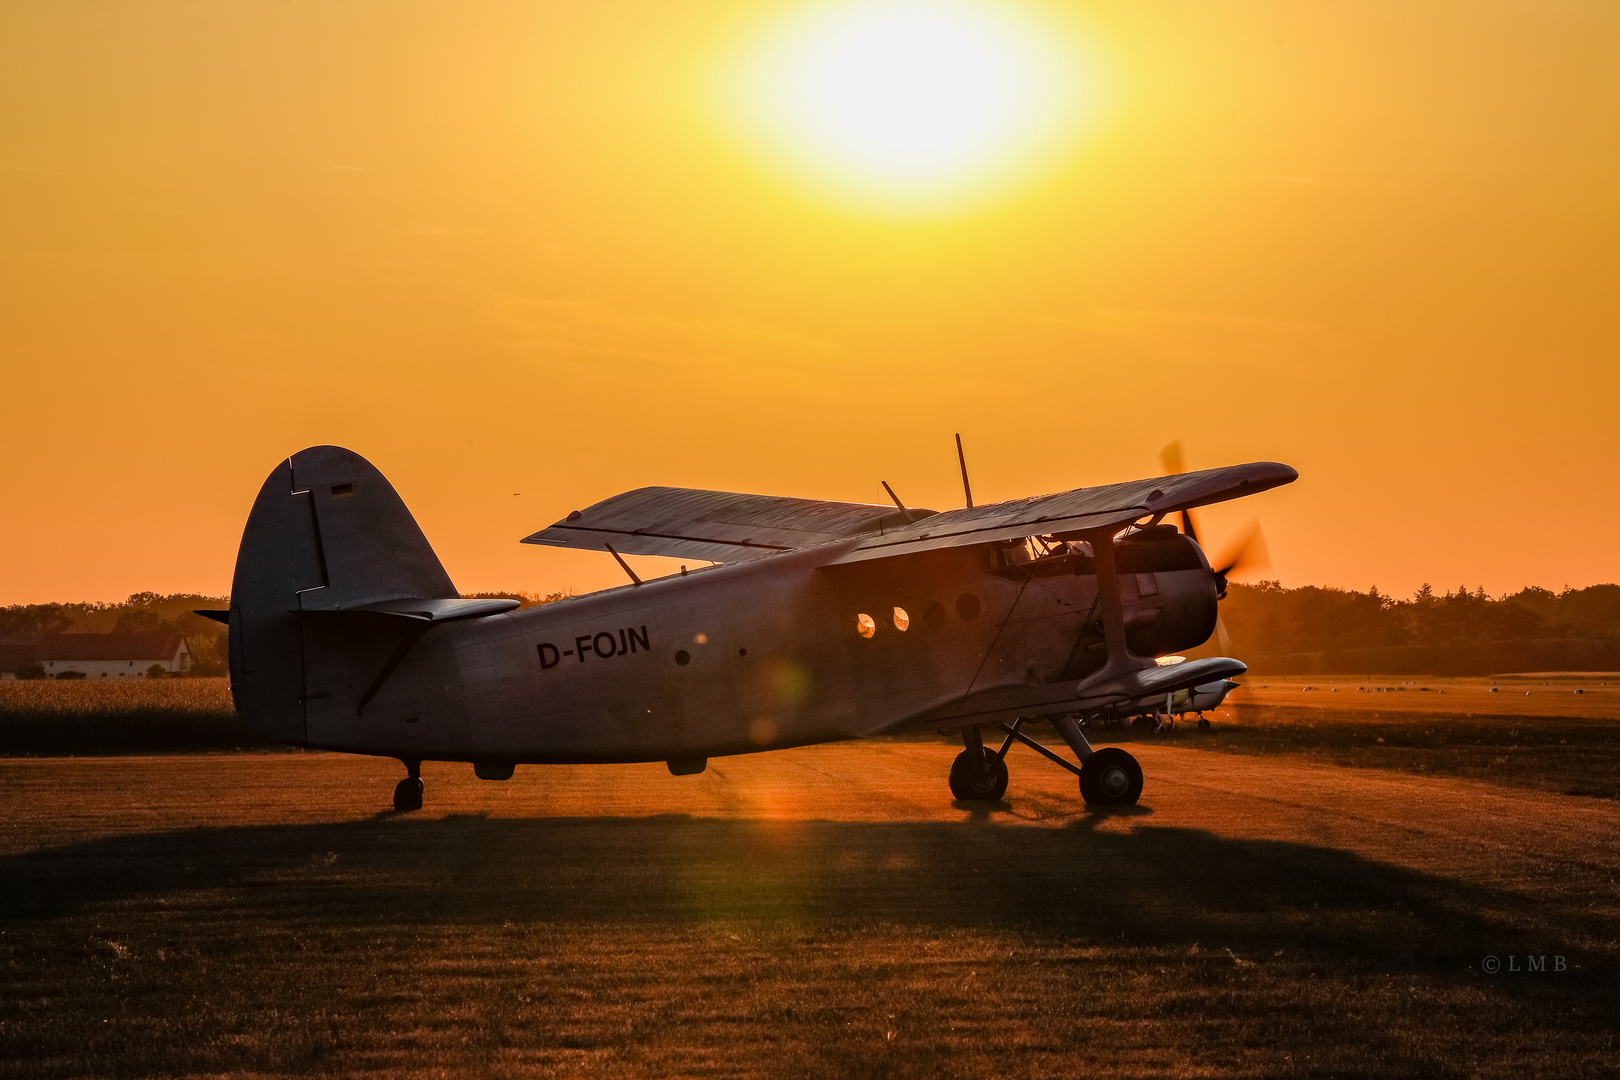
[
  {"x": 1304, "y": 631},
  {"x": 1314, "y": 630}
]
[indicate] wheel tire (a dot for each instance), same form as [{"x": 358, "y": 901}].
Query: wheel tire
[
  {"x": 975, "y": 782},
  {"x": 408, "y": 795},
  {"x": 1110, "y": 777}
]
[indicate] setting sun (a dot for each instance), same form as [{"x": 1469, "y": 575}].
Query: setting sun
[{"x": 912, "y": 101}]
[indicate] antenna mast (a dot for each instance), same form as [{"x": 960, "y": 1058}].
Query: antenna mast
[{"x": 961, "y": 459}]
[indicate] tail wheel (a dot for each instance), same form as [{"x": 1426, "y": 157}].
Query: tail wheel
[
  {"x": 408, "y": 795},
  {"x": 1110, "y": 777},
  {"x": 984, "y": 780}
]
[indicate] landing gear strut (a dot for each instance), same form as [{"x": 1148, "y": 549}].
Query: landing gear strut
[
  {"x": 1108, "y": 777},
  {"x": 408, "y": 793},
  {"x": 978, "y": 774}
]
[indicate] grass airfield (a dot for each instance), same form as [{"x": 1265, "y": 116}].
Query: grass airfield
[
  {"x": 822, "y": 911},
  {"x": 1534, "y": 731}
]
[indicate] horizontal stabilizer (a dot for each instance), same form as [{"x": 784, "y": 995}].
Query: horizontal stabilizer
[
  {"x": 716, "y": 526},
  {"x": 427, "y": 612},
  {"x": 213, "y": 613}
]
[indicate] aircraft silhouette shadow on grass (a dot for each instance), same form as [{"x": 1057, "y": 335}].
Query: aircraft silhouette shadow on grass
[{"x": 1151, "y": 886}]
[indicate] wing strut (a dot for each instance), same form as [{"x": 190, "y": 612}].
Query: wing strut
[
  {"x": 1000, "y": 626},
  {"x": 1113, "y": 605},
  {"x": 1122, "y": 667},
  {"x": 909, "y": 519},
  {"x": 624, "y": 565}
]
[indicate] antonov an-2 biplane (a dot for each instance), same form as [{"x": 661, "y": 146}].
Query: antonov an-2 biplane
[{"x": 820, "y": 621}]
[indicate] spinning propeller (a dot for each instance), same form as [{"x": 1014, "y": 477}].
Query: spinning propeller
[{"x": 1242, "y": 556}]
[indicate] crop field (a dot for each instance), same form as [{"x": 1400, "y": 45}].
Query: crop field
[{"x": 113, "y": 716}]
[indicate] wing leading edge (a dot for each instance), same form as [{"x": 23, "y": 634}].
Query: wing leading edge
[{"x": 1072, "y": 511}]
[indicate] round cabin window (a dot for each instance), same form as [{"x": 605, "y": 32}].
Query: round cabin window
[
  {"x": 967, "y": 606},
  {"x": 901, "y": 620},
  {"x": 865, "y": 625}
]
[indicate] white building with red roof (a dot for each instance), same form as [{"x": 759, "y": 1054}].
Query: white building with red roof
[{"x": 112, "y": 656}]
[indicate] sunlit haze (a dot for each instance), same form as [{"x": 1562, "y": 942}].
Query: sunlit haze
[
  {"x": 524, "y": 256},
  {"x": 911, "y": 104}
]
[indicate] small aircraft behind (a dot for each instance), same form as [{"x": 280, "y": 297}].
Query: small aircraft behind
[
  {"x": 820, "y": 621},
  {"x": 1162, "y": 711}
]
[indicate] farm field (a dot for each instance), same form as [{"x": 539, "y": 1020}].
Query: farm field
[
  {"x": 823, "y": 911},
  {"x": 47, "y": 716}
]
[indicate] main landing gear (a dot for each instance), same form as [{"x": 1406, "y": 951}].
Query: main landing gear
[
  {"x": 1108, "y": 777},
  {"x": 978, "y": 777},
  {"x": 408, "y": 793}
]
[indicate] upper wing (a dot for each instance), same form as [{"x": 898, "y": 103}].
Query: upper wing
[
  {"x": 718, "y": 526},
  {"x": 1068, "y": 511},
  {"x": 723, "y": 526}
]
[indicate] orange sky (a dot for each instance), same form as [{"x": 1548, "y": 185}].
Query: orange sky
[{"x": 522, "y": 257}]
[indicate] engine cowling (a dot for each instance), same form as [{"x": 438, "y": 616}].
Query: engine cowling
[{"x": 1168, "y": 589}]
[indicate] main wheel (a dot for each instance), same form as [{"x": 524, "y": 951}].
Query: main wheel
[
  {"x": 981, "y": 781},
  {"x": 408, "y": 795},
  {"x": 1110, "y": 777}
]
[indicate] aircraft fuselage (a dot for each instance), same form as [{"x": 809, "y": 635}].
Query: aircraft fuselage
[{"x": 754, "y": 656}]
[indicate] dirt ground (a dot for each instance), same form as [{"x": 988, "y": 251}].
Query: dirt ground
[{"x": 825, "y": 911}]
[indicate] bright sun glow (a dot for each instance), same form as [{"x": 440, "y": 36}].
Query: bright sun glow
[{"x": 913, "y": 101}]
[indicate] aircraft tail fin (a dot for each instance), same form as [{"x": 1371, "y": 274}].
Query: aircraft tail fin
[{"x": 327, "y": 533}]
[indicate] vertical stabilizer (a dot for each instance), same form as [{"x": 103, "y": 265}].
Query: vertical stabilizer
[
  {"x": 327, "y": 533},
  {"x": 371, "y": 547}
]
